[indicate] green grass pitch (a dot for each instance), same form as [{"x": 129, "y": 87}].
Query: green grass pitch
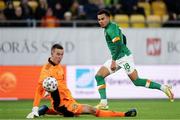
[{"x": 147, "y": 109}]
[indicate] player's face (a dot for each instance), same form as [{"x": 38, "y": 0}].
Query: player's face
[
  {"x": 57, "y": 55},
  {"x": 103, "y": 20}
]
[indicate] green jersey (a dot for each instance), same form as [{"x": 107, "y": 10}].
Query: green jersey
[{"x": 114, "y": 39}]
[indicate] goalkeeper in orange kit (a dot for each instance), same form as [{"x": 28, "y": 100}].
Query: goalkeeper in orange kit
[{"x": 61, "y": 100}]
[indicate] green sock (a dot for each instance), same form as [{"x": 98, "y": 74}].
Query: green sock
[
  {"x": 101, "y": 83},
  {"x": 147, "y": 83},
  {"x": 155, "y": 85}
]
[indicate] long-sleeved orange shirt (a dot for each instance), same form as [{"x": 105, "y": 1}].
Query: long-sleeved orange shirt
[{"x": 57, "y": 72}]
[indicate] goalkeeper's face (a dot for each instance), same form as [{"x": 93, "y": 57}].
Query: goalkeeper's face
[
  {"x": 103, "y": 20},
  {"x": 57, "y": 55}
]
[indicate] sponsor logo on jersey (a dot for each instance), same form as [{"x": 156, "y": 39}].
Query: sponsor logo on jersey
[{"x": 153, "y": 46}]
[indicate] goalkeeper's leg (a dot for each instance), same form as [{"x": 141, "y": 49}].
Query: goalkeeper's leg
[
  {"x": 107, "y": 113},
  {"x": 42, "y": 110},
  {"x": 45, "y": 110}
]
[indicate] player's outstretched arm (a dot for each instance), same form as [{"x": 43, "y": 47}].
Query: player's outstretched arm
[{"x": 38, "y": 95}]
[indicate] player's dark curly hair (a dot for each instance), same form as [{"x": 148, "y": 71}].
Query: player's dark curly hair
[{"x": 104, "y": 11}]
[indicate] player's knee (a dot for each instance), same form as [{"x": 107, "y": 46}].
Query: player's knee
[
  {"x": 98, "y": 77},
  {"x": 99, "y": 80}
]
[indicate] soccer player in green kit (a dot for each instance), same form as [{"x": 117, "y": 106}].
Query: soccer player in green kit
[{"x": 121, "y": 58}]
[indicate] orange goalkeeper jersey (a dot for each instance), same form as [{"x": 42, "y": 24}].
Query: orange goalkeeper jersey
[{"x": 56, "y": 71}]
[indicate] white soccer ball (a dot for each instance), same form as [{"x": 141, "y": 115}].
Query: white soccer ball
[{"x": 50, "y": 84}]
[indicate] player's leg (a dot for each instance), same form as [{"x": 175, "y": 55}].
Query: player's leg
[
  {"x": 151, "y": 84},
  {"x": 101, "y": 74},
  {"x": 143, "y": 82},
  {"x": 107, "y": 113},
  {"x": 133, "y": 75}
]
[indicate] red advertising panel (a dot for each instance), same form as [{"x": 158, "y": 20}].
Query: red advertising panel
[{"x": 19, "y": 82}]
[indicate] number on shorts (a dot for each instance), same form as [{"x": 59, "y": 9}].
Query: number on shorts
[{"x": 126, "y": 67}]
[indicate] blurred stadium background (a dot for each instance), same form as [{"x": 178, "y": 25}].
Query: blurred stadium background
[{"x": 28, "y": 28}]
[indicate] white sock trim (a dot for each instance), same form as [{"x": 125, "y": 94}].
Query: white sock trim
[
  {"x": 147, "y": 84},
  {"x": 104, "y": 101}
]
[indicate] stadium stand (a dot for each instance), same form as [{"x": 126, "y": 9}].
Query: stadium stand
[
  {"x": 146, "y": 6},
  {"x": 122, "y": 20},
  {"x": 148, "y": 11},
  {"x": 2, "y": 5},
  {"x": 33, "y": 4},
  {"x": 137, "y": 21},
  {"x": 165, "y": 18},
  {"x": 159, "y": 8},
  {"x": 16, "y": 3},
  {"x": 153, "y": 21}
]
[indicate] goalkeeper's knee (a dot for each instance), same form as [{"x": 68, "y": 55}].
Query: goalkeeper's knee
[{"x": 43, "y": 109}]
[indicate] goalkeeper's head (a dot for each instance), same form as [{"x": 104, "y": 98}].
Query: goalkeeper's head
[{"x": 57, "y": 53}]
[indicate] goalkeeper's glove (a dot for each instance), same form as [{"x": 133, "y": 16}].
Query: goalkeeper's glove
[
  {"x": 46, "y": 94},
  {"x": 34, "y": 113}
]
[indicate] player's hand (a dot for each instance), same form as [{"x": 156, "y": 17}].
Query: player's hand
[
  {"x": 34, "y": 113},
  {"x": 113, "y": 65}
]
